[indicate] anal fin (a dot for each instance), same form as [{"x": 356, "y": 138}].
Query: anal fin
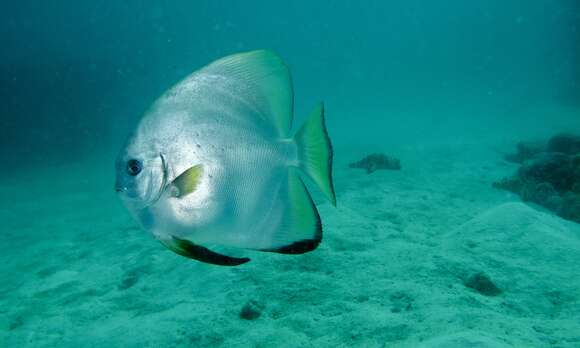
[
  {"x": 197, "y": 252},
  {"x": 299, "y": 230}
]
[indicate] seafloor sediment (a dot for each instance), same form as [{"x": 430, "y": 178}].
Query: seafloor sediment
[{"x": 430, "y": 255}]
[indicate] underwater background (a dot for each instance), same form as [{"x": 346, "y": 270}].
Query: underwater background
[{"x": 473, "y": 242}]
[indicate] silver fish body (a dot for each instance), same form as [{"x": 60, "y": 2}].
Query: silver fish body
[{"x": 231, "y": 119}]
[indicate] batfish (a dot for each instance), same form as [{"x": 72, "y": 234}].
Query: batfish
[{"x": 212, "y": 161}]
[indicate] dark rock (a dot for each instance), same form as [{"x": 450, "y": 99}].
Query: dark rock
[
  {"x": 377, "y": 161},
  {"x": 526, "y": 150},
  {"x": 570, "y": 207},
  {"x": 482, "y": 284},
  {"x": 251, "y": 310},
  {"x": 551, "y": 178},
  {"x": 565, "y": 143},
  {"x": 131, "y": 277},
  {"x": 575, "y": 164},
  {"x": 400, "y": 301},
  {"x": 16, "y": 323},
  {"x": 513, "y": 184},
  {"x": 554, "y": 168},
  {"x": 542, "y": 193},
  {"x": 129, "y": 280}
]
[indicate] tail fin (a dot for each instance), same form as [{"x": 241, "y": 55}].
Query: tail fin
[{"x": 315, "y": 152}]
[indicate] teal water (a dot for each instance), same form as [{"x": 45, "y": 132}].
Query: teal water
[{"x": 448, "y": 87}]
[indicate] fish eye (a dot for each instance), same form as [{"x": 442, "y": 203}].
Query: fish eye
[{"x": 134, "y": 167}]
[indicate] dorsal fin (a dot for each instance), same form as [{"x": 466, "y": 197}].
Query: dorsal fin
[{"x": 268, "y": 77}]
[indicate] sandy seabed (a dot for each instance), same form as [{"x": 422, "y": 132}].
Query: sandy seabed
[{"x": 397, "y": 267}]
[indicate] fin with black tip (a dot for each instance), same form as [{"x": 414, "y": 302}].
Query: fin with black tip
[
  {"x": 297, "y": 229},
  {"x": 187, "y": 182},
  {"x": 197, "y": 252}
]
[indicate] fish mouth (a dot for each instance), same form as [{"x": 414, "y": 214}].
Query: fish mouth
[{"x": 132, "y": 201}]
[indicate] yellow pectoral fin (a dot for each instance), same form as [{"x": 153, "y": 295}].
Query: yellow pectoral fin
[{"x": 187, "y": 182}]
